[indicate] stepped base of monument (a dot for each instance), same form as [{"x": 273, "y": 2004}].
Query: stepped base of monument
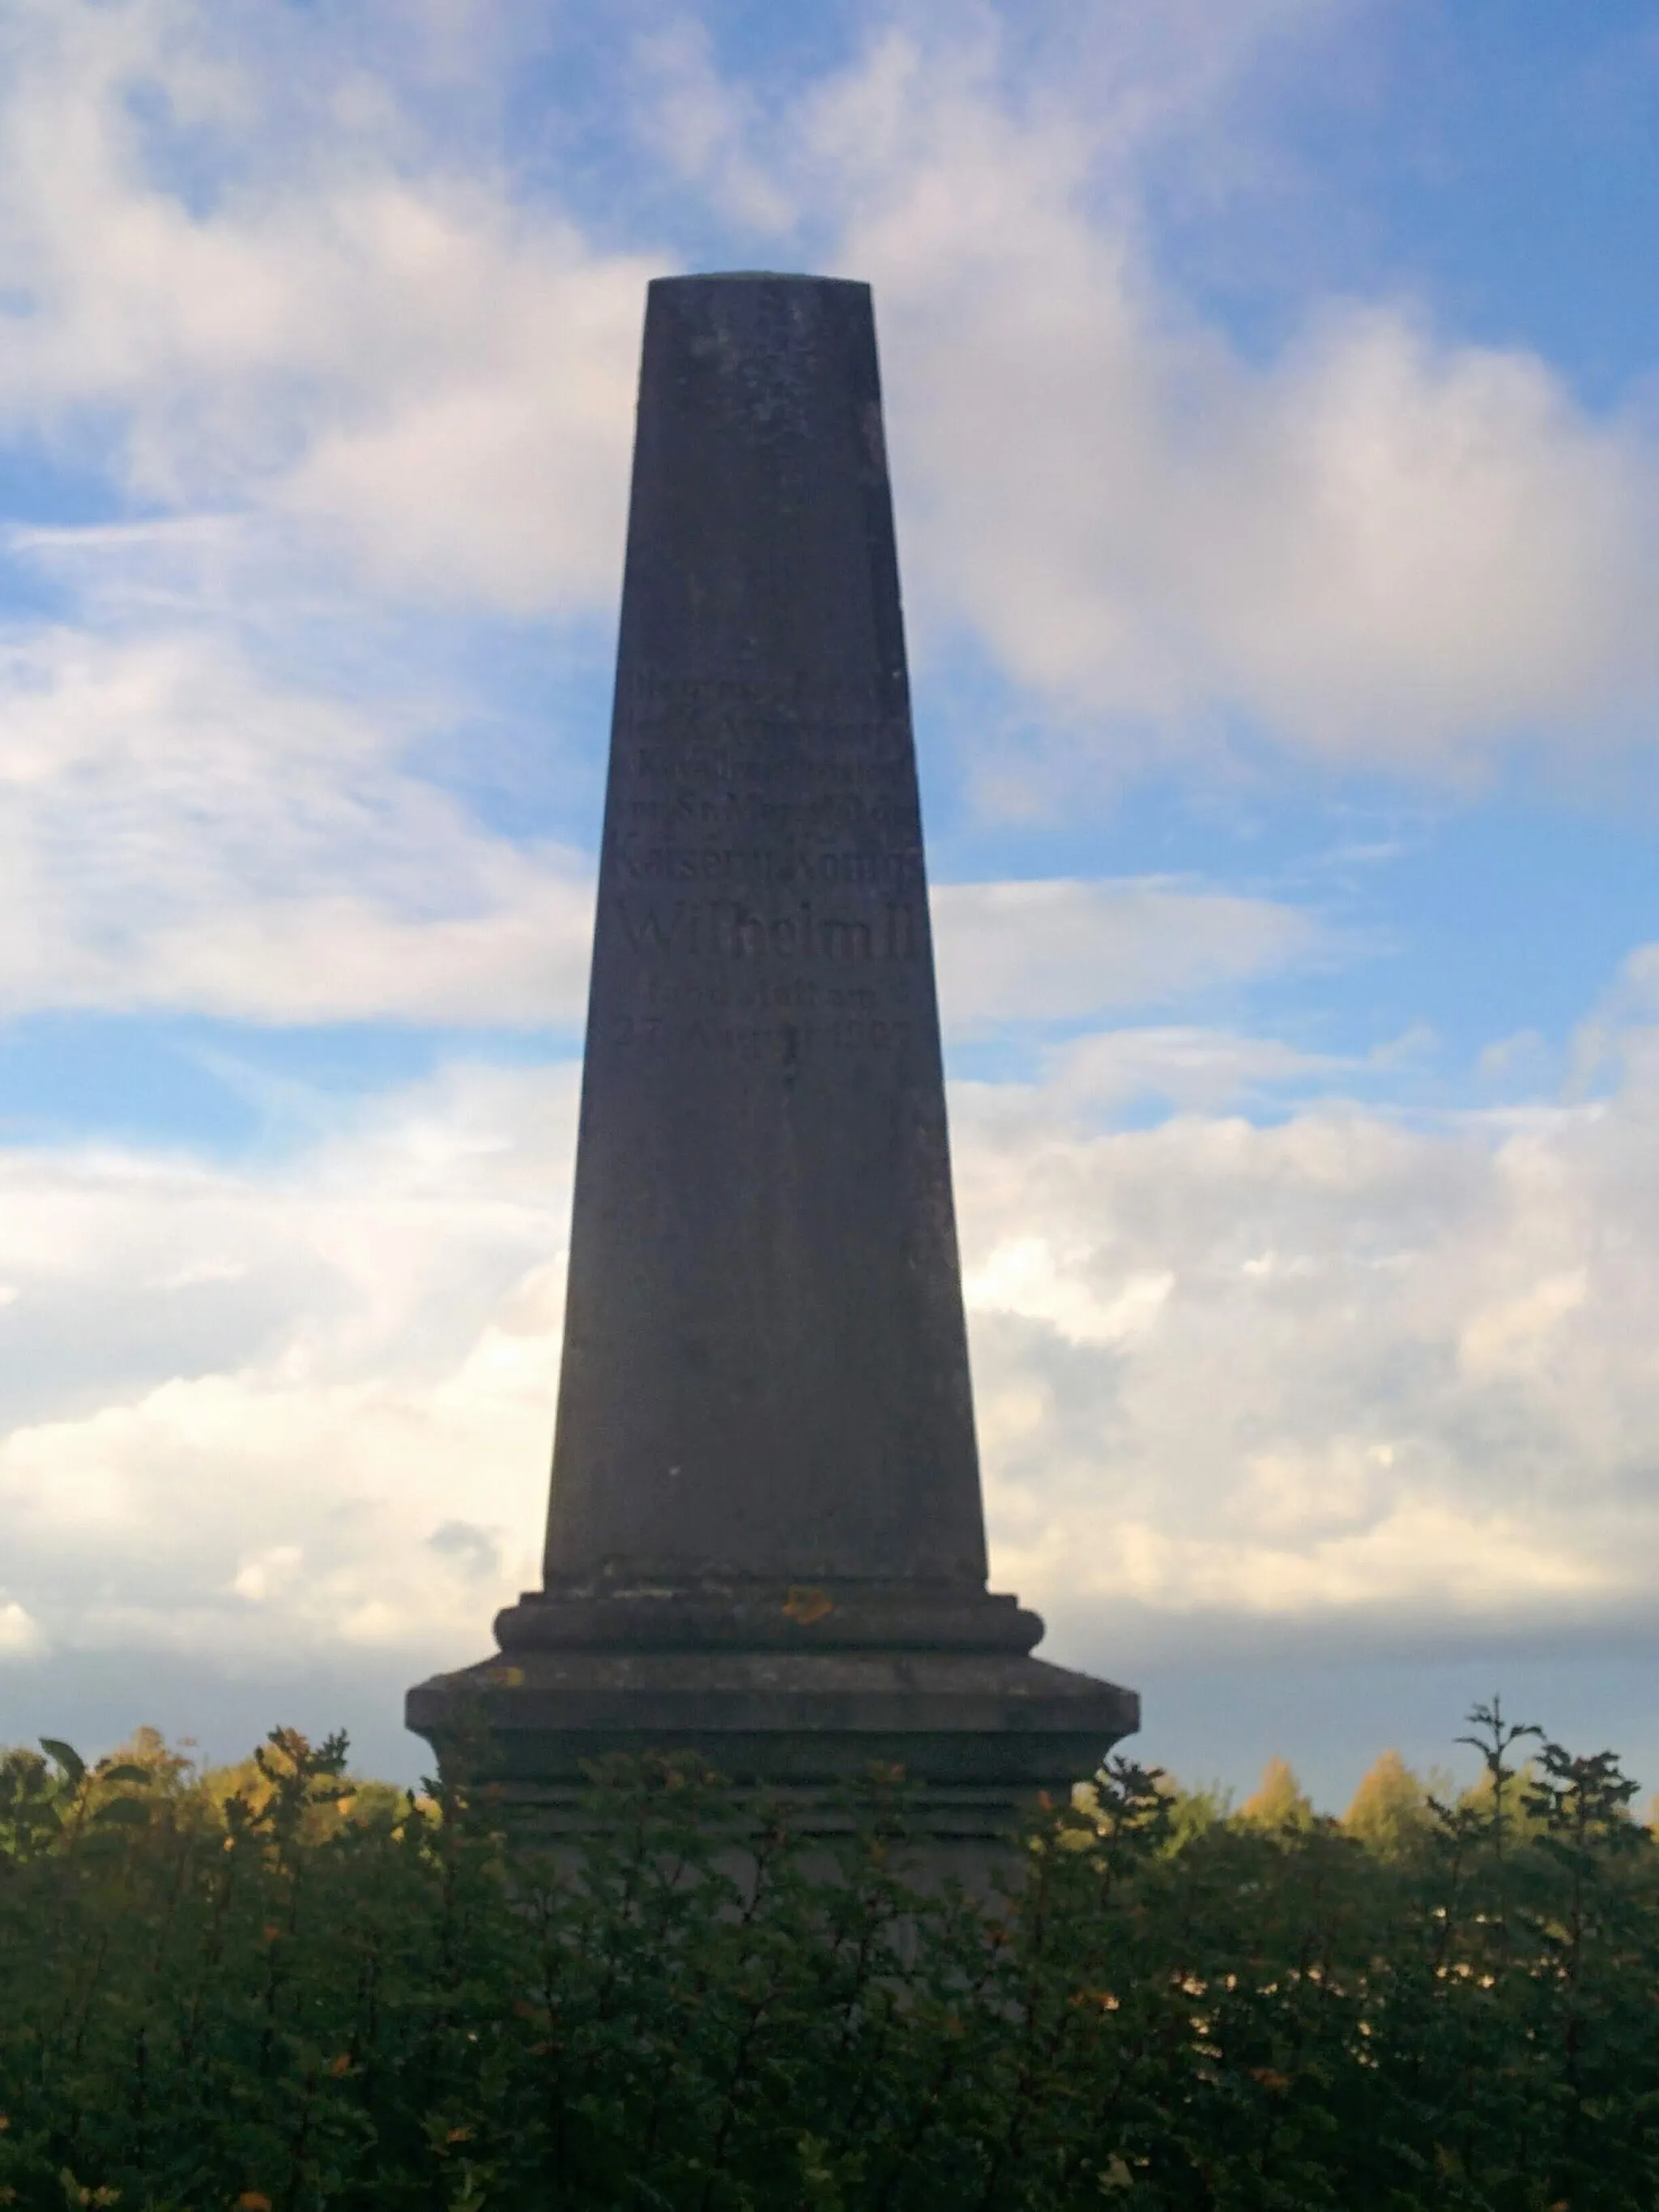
[
  {"x": 634, "y": 1611},
  {"x": 980, "y": 1734}
]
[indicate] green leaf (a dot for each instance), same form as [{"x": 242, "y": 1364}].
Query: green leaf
[
  {"x": 144, "y": 1775},
  {"x": 65, "y": 1756},
  {"x": 122, "y": 1813}
]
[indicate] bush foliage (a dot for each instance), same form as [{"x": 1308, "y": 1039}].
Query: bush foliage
[{"x": 276, "y": 1990}]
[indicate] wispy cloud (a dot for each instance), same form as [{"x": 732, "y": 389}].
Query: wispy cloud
[
  {"x": 1066, "y": 950},
  {"x": 177, "y": 832},
  {"x": 221, "y": 294}
]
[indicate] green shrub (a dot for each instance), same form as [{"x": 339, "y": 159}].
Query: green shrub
[{"x": 305, "y": 1992}]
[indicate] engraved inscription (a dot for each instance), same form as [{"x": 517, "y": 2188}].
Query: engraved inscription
[
  {"x": 766, "y": 828},
  {"x": 638, "y": 861},
  {"x": 703, "y": 764},
  {"x": 817, "y": 694},
  {"x": 788, "y": 1042},
  {"x": 738, "y": 992},
  {"x": 728, "y": 927},
  {"x": 824, "y": 813}
]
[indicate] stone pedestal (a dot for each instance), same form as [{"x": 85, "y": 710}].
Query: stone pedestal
[
  {"x": 765, "y": 1539},
  {"x": 798, "y": 1688}
]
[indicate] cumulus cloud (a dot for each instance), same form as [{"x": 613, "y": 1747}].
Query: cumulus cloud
[
  {"x": 18, "y": 1634},
  {"x": 1270, "y": 1358},
  {"x": 1386, "y": 550},
  {"x": 224, "y": 291},
  {"x": 1334, "y": 1366},
  {"x": 1384, "y": 546},
  {"x": 1234, "y": 1374},
  {"x": 251, "y": 1413}
]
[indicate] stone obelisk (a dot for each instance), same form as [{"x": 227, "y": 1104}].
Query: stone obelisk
[{"x": 766, "y": 1540}]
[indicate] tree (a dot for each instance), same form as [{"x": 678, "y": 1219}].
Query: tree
[
  {"x": 1279, "y": 1800},
  {"x": 1390, "y": 1812}
]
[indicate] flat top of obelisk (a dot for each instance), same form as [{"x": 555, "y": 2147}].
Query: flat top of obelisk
[{"x": 759, "y": 276}]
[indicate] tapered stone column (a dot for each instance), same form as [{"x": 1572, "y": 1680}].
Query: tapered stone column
[{"x": 765, "y": 1539}]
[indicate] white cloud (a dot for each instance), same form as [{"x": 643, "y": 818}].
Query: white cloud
[
  {"x": 1065, "y": 950},
  {"x": 176, "y": 831},
  {"x": 1385, "y": 545},
  {"x": 1339, "y": 1370},
  {"x": 355, "y": 362},
  {"x": 1514, "y": 1334},
  {"x": 1168, "y": 1065},
  {"x": 305, "y": 303},
  {"x": 275, "y": 1464},
  {"x": 269, "y": 1574},
  {"x": 179, "y": 830},
  {"x": 20, "y": 1636},
  {"x": 702, "y": 126},
  {"x": 1339, "y": 1367},
  {"x": 1039, "y": 1280}
]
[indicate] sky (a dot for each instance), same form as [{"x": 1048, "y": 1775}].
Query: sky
[{"x": 1274, "y": 428}]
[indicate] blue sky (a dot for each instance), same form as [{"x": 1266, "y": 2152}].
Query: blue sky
[{"x": 1273, "y": 421}]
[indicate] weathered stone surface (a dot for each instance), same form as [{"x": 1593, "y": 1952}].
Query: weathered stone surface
[
  {"x": 765, "y": 1369},
  {"x": 765, "y": 1538}
]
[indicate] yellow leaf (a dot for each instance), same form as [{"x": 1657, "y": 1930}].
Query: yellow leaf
[
  {"x": 253, "y": 2200},
  {"x": 806, "y": 1605}
]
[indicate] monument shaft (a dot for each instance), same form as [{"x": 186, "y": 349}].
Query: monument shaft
[
  {"x": 765, "y": 1366},
  {"x": 765, "y": 1540}
]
